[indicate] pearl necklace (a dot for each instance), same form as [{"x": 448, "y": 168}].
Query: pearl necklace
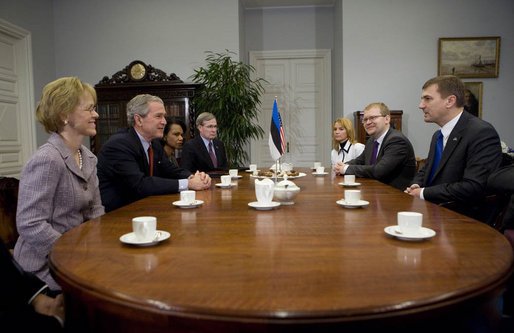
[{"x": 80, "y": 159}]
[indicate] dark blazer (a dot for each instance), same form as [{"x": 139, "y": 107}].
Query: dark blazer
[
  {"x": 15, "y": 312},
  {"x": 124, "y": 173},
  {"x": 196, "y": 157},
  {"x": 471, "y": 154},
  {"x": 395, "y": 164}
]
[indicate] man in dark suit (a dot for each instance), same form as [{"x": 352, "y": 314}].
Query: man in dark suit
[
  {"x": 128, "y": 170},
  {"x": 468, "y": 150},
  {"x": 24, "y": 307},
  {"x": 205, "y": 152},
  {"x": 388, "y": 155}
]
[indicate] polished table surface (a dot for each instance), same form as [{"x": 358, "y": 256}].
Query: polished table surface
[{"x": 228, "y": 266}]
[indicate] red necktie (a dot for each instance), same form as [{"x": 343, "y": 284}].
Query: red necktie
[
  {"x": 213, "y": 157},
  {"x": 150, "y": 159}
]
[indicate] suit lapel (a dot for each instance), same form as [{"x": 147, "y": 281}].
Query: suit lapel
[
  {"x": 368, "y": 151},
  {"x": 137, "y": 143},
  {"x": 380, "y": 150},
  {"x": 452, "y": 143},
  {"x": 205, "y": 153}
]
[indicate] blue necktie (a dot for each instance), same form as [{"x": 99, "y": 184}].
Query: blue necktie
[
  {"x": 374, "y": 155},
  {"x": 437, "y": 155}
]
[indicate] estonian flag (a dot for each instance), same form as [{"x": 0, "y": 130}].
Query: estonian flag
[{"x": 277, "y": 143}]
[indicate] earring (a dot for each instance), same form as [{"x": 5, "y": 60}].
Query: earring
[{"x": 65, "y": 122}]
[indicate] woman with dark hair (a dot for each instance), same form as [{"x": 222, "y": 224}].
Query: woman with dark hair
[{"x": 173, "y": 138}]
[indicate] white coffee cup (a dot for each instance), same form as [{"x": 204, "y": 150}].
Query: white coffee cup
[
  {"x": 188, "y": 197},
  {"x": 253, "y": 167},
  {"x": 352, "y": 196},
  {"x": 317, "y": 165},
  {"x": 410, "y": 222},
  {"x": 349, "y": 179},
  {"x": 264, "y": 191},
  {"x": 320, "y": 169},
  {"x": 144, "y": 227},
  {"x": 232, "y": 173},
  {"x": 226, "y": 179}
]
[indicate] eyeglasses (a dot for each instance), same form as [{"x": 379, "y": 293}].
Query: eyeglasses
[
  {"x": 371, "y": 118},
  {"x": 90, "y": 109}
]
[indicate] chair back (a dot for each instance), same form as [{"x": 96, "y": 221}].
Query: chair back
[{"x": 8, "y": 202}]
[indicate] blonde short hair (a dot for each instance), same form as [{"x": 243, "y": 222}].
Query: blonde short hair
[
  {"x": 60, "y": 98},
  {"x": 384, "y": 110},
  {"x": 350, "y": 131}
]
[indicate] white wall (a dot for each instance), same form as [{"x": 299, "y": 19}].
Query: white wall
[
  {"x": 390, "y": 50},
  {"x": 289, "y": 28},
  {"x": 99, "y": 37}
]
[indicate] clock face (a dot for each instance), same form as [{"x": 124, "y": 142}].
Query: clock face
[{"x": 137, "y": 71}]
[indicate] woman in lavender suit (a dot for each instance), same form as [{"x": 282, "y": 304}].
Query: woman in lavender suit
[{"x": 58, "y": 186}]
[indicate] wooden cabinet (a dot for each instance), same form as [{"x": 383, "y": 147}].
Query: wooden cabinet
[
  {"x": 360, "y": 133},
  {"x": 138, "y": 78}
]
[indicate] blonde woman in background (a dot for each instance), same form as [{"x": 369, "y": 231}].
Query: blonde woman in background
[{"x": 345, "y": 146}]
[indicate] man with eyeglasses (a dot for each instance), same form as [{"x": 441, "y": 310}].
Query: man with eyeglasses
[
  {"x": 388, "y": 155},
  {"x": 133, "y": 165},
  {"x": 205, "y": 152}
]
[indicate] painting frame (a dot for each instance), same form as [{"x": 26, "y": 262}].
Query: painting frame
[
  {"x": 473, "y": 102},
  {"x": 469, "y": 57}
]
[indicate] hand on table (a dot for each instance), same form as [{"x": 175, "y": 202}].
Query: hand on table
[{"x": 199, "y": 181}]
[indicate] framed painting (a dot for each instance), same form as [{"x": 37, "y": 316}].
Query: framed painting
[
  {"x": 469, "y": 57},
  {"x": 473, "y": 98}
]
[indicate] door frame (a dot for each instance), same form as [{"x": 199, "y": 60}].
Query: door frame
[
  {"x": 323, "y": 135},
  {"x": 18, "y": 90}
]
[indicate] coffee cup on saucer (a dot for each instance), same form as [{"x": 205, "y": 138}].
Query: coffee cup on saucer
[
  {"x": 410, "y": 222},
  {"x": 352, "y": 196},
  {"x": 320, "y": 169},
  {"x": 232, "y": 173},
  {"x": 188, "y": 196},
  {"x": 349, "y": 179},
  {"x": 144, "y": 228},
  {"x": 225, "y": 180},
  {"x": 264, "y": 191},
  {"x": 253, "y": 167}
]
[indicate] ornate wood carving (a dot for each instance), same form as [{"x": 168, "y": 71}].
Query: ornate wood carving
[{"x": 152, "y": 75}]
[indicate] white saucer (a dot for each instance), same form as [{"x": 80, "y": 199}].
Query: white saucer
[
  {"x": 182, "y": 204},
  {"x": 319, "y": 174},
  {"x": 361, "y": 203},
  {"x": 349, "y": 184},
  {"x": 225, "y": 186},
  {"x": 130, "y": 239},
  {"x": 424, "y": 233},
  {"x": 259, "y": 206},
  {"x": 251, "y": 170},
  {"x": 237, "y": 177}
]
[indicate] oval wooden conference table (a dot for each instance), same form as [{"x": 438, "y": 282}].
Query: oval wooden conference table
[{"x": 313, "y": 266}]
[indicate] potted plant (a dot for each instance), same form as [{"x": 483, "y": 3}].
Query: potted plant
[{"x": 233, "y": 97}]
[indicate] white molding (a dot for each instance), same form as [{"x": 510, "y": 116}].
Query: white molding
[
  {"x": 25, "y": 90},
  {"x": 324, "y": 135}
]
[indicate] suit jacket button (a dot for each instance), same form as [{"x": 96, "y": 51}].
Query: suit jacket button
[{"x": 85, "y": 187}]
